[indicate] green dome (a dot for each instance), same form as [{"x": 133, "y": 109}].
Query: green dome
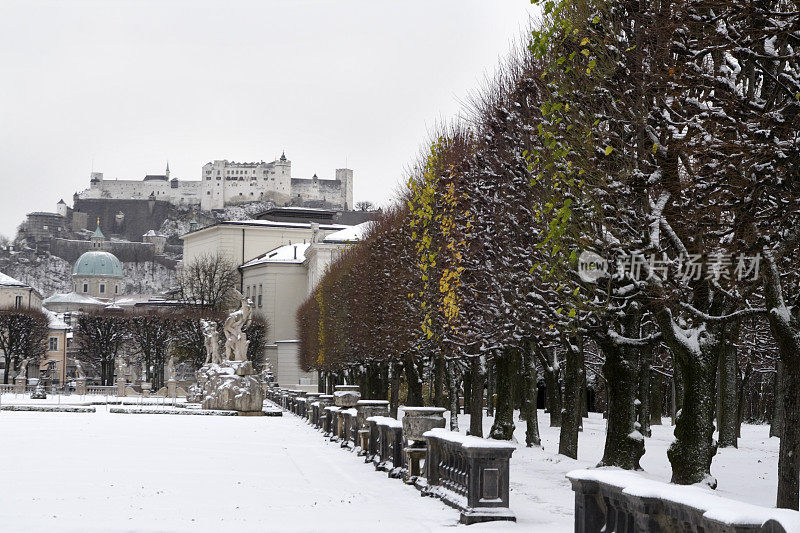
[{"x": 97, "y": 264}]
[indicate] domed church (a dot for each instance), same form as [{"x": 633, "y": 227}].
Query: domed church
[{"x": 98, "y": 273}]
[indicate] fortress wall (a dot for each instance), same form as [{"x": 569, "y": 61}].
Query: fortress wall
[
  {"x": 139, "y": 219},
  {"x": 306, "y": 191}
]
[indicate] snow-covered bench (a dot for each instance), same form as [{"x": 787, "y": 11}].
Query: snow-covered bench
[
  {"x": 618, "y": 500},
  {"x": 470, "y": 474}
]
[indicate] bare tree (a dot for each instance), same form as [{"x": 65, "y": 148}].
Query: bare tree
[
  {"x": 99, "y": 336},
  {"x": 365, "y": 205},
  {"x": 151, "y": 334},
  {"x": 208, "y": 281},
  {"x": 23, "y": 334}
]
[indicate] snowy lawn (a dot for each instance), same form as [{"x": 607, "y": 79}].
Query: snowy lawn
[
  {"x": 118, "y": 472},
  {"x": 542, "y": 497}
]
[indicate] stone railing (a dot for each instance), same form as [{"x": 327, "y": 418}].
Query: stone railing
[
  {"x": 622, "y": 501},
  {"x": 101, "y": 390},
  {"x": 386, "y": 450},
  {"x": 468, "y": 473}
]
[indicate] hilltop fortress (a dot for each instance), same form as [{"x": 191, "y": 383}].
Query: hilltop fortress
[{"x": 224, "y": 183}]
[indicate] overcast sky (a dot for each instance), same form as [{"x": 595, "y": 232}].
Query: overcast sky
[{"x": 125, "y": 86}]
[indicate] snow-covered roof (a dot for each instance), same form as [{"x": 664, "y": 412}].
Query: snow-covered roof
[
  {"x": 268, "y": 223},
  {"x": 71, "y": 298},
  {"x": 55, "y": 321},
  {"x": 289, "y": 253},
  {"x": 350, "y": 234},
  {"x": 8, "y": 281},
  {"x": 152, "y": 233}
]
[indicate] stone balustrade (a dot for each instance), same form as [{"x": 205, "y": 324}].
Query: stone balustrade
[
  {"x": 367, "y": 409},
  {"x": 388, "y": 452},
  {"x": 331, "y": 422},
  {"x": 623, "y": 501},
  {"x": 468, "y": 473}
]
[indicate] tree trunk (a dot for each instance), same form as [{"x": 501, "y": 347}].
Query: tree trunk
[
  {"x": 785, "y": 330},
  {"x": 532, "y": 437},
  {"x": 503, "y": 427},
  {"x": 476, "y": 409},
  {"x": 789, "y": 451},
  {"x": 452, "y": 392},
  {"x": 439, "y": 370},
  {"x": 693, "y": 449},
  {"x": 552, "y": 391},
  {"x": 491, "y": 387},
  {"x": 728, "y": 413},
  {"x": 776, "y": 426},
  {"x": 394, "y": 396},
  {"x": 414, "y": 382},
  {"x": 656, "y": 398},
  {"x": 467, "y": 380},
  {"x": 571, "y": 412},
  {"x": 624, "y": 445},
  {"x": 643, "y": 407}
]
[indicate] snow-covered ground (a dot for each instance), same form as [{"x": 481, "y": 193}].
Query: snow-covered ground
[
  {"x": 118, "y": 472},
  {"x": 542, "y": 497}
]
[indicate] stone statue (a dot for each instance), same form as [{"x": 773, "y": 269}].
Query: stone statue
[
  {"x": 120, "y": 368},
  {"x": 79, "y": 373},
  {"x": 23, "y": 368},
  {"x": 171, "y": 369},
  {"x": 235, "y": 340},
  {"x": 211, "y": 341}
]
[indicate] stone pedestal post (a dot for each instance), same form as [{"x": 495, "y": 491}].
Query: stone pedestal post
[
  {"x": 121, "y": 384},
  {"x": 19, "y": 385},
  {"x": 416, "y": 421},
  {"x": 172, "y": 388},
  {"x": 80, "y": 386},
  {"x": 146, "y": 388}
]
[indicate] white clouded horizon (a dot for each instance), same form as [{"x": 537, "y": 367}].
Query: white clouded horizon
[{"x": 124, "y": 86}]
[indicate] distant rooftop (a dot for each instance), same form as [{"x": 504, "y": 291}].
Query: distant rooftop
[
  {"x": 288, "y": 253},
  {"x": 8, "y": 281}
]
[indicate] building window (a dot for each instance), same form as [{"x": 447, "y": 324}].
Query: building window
[
  {"x": 259, "y": 295},
  {"x": 116, "y": 289},
  {"x": 53, "y": 344},
  {"x": 248, "y": 291},
  {"x": 85, "y": 287},
  {"x": 18, "y": 302},
  {"x": 102, "y": 288}
]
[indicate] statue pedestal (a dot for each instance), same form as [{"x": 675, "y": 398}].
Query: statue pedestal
[
  {"x": 172, "y": 388},
  {"x": 19, "y": 385},
  {"x": 227, "y": 390},
  {"x": 146, "y": 388},
  {"x": 121, "y": 383},
  {"x": 80, "y": 386}
]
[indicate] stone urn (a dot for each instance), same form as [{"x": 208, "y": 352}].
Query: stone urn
[
  {"x": 418, "y": 420},
  {"x": 368, "y": 408},
  {"x": 346, "y": 396},
  {"x": 311, "y": 397}
]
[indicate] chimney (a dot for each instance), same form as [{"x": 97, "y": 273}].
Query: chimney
[{"x": 314, "y": 231}]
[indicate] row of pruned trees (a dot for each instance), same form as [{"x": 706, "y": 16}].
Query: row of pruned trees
[
  {"x": 663, "y": 137},
  {"x": 151, "y": 337}
]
